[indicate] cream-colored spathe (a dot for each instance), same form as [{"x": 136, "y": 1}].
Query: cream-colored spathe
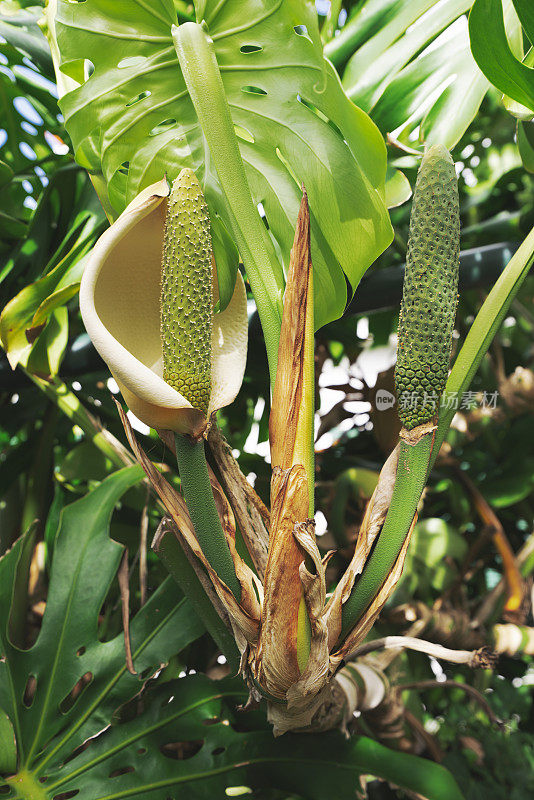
[{"x": 119, "y": 302}]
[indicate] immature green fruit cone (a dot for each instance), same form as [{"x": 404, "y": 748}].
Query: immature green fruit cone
[
  {"x": 430, "y": 291},
  {"x": 186, "y": 292}
]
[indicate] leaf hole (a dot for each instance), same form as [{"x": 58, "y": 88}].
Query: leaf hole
[
  {"x": 141, "y": 751},
  {"x": 167, "y": 701},
  {"x": 43, "y": 779},
  {"x": 181, "y": 751},
  {"x": 162, "y": 127},
  {"x": 80, "y": 651},
  {"x": 124, "y": 168},
  {"x": 243, "y": 134},
  {"x": 134, "y": 100},
  {"x": 29, "y": 691},
  {"x": 121, "y": 771},
  {"x": 27, "y": 111},
  {"x": 319, "y": 114},
  {"x": 147, "y": 673},
  {"x": 253, "y": 90},
  {"x": 72, "y": 792},
  {"x": 78, "y": 751},
  {"x": 251, "y": 48},
  {"x": 301, "y": 30},
  {"x": 218, "y": 751},
  {"x": 75, "y": 693},
  {"x": 5, "y": 788}
]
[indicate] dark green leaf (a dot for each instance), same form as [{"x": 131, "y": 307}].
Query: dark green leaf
[
  {"x": 67, "y": 649},
  {"x": 8, "y": 747},
  {"x": 186, "y": 745}
]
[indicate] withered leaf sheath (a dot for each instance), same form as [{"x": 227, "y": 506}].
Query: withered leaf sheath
[
  {"x": 430, "y": 291},
  {"x": 186, "y": 292}
]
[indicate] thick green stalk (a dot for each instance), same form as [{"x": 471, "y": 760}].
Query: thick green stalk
[
  {"x": 171, "y": 553},
  {"x": 483, "y": 330},
  {"x": 412, "y": 472},
  {"x": 425, "y": 337},
  {"x": 201, "y": 73},
  {"x": 196, "y": 486}
]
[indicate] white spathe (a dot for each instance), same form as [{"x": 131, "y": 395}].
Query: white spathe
[{"x": 120, "y": 306}]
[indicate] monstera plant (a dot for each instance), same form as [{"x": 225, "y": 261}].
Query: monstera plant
[
  {"x": 244, "y": 97},
  {"x": 236, "y": 173}
]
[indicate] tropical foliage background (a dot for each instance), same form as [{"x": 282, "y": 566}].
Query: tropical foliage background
[{"x": 75, "y": 512}]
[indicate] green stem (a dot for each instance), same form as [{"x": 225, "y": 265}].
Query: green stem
[
  {"x": 410, "y": 480},
  {"x": 483, "y": 331},
  {"x": 73, "y": 408},
  {"x": 196, "y": 486},
  {"x": 171, "y": 553},
  {"x": 202, "y": 76}
]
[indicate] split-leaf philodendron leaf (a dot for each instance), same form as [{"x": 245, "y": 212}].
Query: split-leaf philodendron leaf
[
  {"x": 36, "y": 684},
  {"x": 132, "y": 120}
]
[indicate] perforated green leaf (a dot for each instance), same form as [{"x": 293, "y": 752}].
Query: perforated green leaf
[
  {"x": 190, "y": 742},
  {"x": 36, "y": 684},
  {"x": 133, "y": 120}
]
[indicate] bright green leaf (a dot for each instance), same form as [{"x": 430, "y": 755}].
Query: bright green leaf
[
  {"x": 492, "y": 52},
  {"x": 378, "y": 61},
  {"x": 45, "y": 355},
  {"x": 398, "y": 188},
  {"x": 43, "y": 300},
  {"x": 410, "y": 89},
  {"x": 133, "y": 120},
  {"x": 453, "y": 112}
]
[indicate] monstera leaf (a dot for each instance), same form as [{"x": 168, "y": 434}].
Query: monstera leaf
[
  {"x": 191, "y": 742},
  {"x": 66, "y": 687},
  {"x": 131, "y": 119}
]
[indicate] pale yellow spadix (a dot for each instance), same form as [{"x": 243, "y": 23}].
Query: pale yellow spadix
[
  {"x": 120, "y": 297},
  {"x": 186, "y": 292}
]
